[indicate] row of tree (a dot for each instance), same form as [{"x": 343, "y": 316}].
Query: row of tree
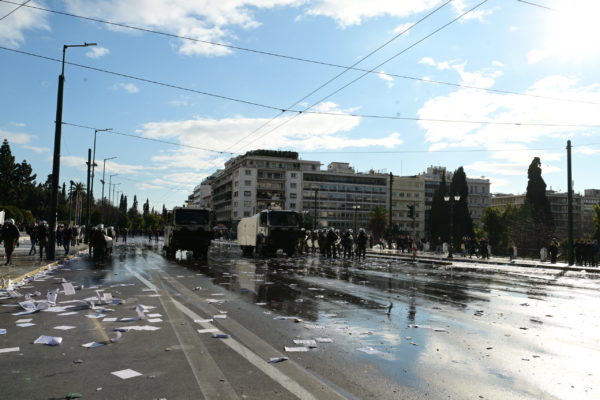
[{"x": 26, "y": 200}]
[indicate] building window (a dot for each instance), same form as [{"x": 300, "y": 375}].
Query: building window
[
  {"x": 235, "y": 203},
  {"x": 247, "y": 193},
  {"x": 293, "y": 185},
  {"x": 293, "y": 195},
  {"x": 235, "y": 214},
  {"x": 235, "y": 194},
  {"x": 248, "y": 172},
  {"x": 247, "y": 203},
  {"x": 248, "y": 183},
  {"x": 294, "y": 175},
  {"x": 246, "y": 213},
  {"x": 292, "y": 205}
]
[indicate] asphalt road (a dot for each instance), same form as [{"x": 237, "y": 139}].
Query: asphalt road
[{"x": 460, "y": 332}]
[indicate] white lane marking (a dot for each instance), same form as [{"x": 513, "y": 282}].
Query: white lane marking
[{"x": 275, "y": 374}]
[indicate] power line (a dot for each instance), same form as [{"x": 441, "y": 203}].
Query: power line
[
  {"x": 307, "y": 60},
  {"x": 377, "y": 67},
  {"x": 341, "y": 73},
  {"x": 537, "y": 5},
  {"x": 298, "y": 112},
  {"x": 150, "y": 139},
  {"x": 19, "y": 6}
]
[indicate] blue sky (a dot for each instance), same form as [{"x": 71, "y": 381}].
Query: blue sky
[{"x": 504, "y": 45}]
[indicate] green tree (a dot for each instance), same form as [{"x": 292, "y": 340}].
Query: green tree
[
  {"x": 596, "y": 220},
  {"x": 378, "y": 221},
  {"x": 146, "y": 208},
  {"x": 133, "y": 212},
  {"x": 7, "y": 175},
  {"x": 462, "y": 222}
]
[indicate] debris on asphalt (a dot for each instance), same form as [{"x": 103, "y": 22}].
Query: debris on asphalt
[
  {"x": 220, "y": 335},
  {"x": 369, "y": 350},
  {"x": 93, "y": 345},
  {"x": 126, "y": 373},
  {"x": 68, "y": 289},
  {"x": 274, "y": 360},
  {"x": 9, "y": 349},
  {"x": 64, "y": 327},
  {"x": 154, "y": 320},
  {"x": 306, "y": 342},
  {"x": 200, "y": 321},
  {"x": 137, "y": 328},
  {"x": 73, "y": 396},
  {"x": 300, "y": 349},
  {"x": 323, "y": 340},
  {"x": 208, "y": 330},
  {"x": 48, "y": 340},
  {"x": 25, "y": 324},
  {"x": 2, "y": 331}
]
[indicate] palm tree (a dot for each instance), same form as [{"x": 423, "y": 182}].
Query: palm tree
[
  {"x": 77, "y": 194},
  {"x": 378, "y": 221}
]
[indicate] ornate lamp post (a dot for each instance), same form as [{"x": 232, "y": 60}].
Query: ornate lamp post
[{"x": 451, "y": 200}]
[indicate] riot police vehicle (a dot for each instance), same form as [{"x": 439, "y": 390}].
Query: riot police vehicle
[
  {"x": 188, "y": 228},
  {"x": 269, "y": 231}
]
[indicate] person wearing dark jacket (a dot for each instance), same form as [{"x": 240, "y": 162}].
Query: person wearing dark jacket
[{"x": 10, "y": 236}]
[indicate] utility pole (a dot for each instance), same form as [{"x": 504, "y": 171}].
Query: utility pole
[
  {"x": 570, "y": 204},
  {"x": 390, "y": 207},
  {"x": 89, "y": 198},
  {"x": 315, "y": 219}
]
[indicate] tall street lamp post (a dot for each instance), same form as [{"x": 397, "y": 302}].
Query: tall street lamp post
[
  {"x": 451, "y": 200},
  {"x": 56, "y": 159},
  {"x": 114, "y": 189},
  {"x": 109, "y": 185},
  {"x": 103, "y": 172},
  {"x": 315, "y": 219},
  {"x": 94, "y": 156}
]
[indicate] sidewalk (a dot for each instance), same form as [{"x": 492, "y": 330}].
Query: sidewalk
[
  {"x": 492, "y": 261},
  {"x": 23, "y": 265}
]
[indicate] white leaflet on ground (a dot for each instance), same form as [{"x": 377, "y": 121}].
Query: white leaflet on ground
[
  {"x": 69, "y": 313},
  {"x": 282, "y": 318},
  {"x": 64, "y": 327},
  {"x": 217, "y": 294},
  {"x": 126, "y": 373},
  {"x": 261, "y": 304},
  {"x": 201, "y": 321},
  {"x": 68, "y": 289},
  {"x": 49, "y": 340},
  {"x": 329, "y": 315},
  {"x": 208, "y": 330},
  {"x": 312, "y": 326},
  {"x": 295, "y": 349},
  {"x": 52, "y": 296},
  {"x": 274, "y": 360},
  {"x": 154, "y": 320},
  {"x": 306, "y": 342},
  {"x": 215, "y": 301},
  {"x": 118, "y": 336},
  {"x": 26, "y": 324},
  {"x": 23, "y": 320},
  {"x": 107, "y": 297},
  {"x": 2, "y": 331},
  {"x": 156, "y": 315},
  {"x": 324, "y": 340},
  {"x": 140, "y": 311},
  {"x": 139, "y": 328},
  {"x": 220, "y": 316},
  {"x": 56, "y": 309},
  {"x": 131, "y": 319},
  {"x": 10, "y": 349},
  {"x": 109, "y": 319}
]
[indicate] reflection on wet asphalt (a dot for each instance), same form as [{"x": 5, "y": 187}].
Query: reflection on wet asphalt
[{"x": 520, "y": 333}]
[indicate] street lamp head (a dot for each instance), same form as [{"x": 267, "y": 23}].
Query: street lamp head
[
  {"x": 446, "y": 198},
  {"x": 457, "y": 197},
  {"x": 86, "y": 44}
]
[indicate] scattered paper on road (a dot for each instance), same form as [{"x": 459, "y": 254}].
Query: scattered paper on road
[
  {"x": 92, "y": 345},
  {"x": 64, "y": 327},
  {"x": 201, "y": 321},
  {"x": 49, "y": 340},
  {"x": 69, "y": 313},
  {"x": 96, "y": 315},
  {"x": 208, "y": 330},
  {"x": 306, "y": 342},
  {"x": 220, "y": 316},
  {"x": 323, "y": 340},
  {"x": 68, "y": 289},
  {"x": 109, "y": 319},
  {"x": 126, "y": 373},
  {"x": 154, "y": 320},
  {"x": 295, "y": 349},
  {"x": 138, "y": 328},
  {"x": 220, "y": 335},
  {"x": 10, "y": 349},
  {"x": 2, "y": 331},
  {"x": 23, "y": 320},
  {"x": 26, "y": 324},
  {"x": 274, "y": 360},
  {"x": 155, "y": 315}
]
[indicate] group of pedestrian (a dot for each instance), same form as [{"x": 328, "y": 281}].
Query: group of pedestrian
[
  {"x": 470, "y": 246},
  {"x": 587, "y": 252},
  {"x": 333, "y": 243}
]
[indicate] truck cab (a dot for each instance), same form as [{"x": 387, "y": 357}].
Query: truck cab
[
  {"x": 269, "y": 231},
  {"x": 188, "y": 228}
]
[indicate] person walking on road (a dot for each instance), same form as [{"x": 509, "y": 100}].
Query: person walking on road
[
  {"x": 10, "y": 236},
  {"x": 553, "y": 250},
  {"x": 67, "y": 236},
  {"x": 32, "y": 231},
  {"x": 42, "y": 238}
]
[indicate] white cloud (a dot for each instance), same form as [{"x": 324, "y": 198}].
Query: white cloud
[
  {"x": 16, "y": 138},
  {"x": 37, "y": 149},
  {"x": 24, "y": 19},
  {"x": 478, "y": 14},
  {"x": 18, "y": 124},
  {"x": 403, "y": 27},
  {"x": 585, "y": 150},
  {"x": 128, "y": 87},
  {"x": 513, "y": 28},
  {"x": 208, "y": 20},
  {"x": 520, "y": 140},
  {"x": 482, "y": 78},
  {"x": 383, "y": 76},
  {"x": 305, "y": 133},
  {"x": 97, "y": 52}
]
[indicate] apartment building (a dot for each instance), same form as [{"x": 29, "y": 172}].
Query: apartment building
[{"x": 408, "y": 191}]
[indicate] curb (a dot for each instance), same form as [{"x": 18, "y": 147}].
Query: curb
[{"x": 5, "y": 282}]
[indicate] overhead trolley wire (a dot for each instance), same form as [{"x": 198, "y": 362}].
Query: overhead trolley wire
[
  {"x": 375, "y": 68},
  {"x": 342, "y": 73},
  {"x": 305, "y": 111},
  {"x": 15, "y": 9},
  {"x": 307, "y": 60}
]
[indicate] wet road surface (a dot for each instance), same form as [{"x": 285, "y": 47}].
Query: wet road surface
[{"x": 385, "y": 329}]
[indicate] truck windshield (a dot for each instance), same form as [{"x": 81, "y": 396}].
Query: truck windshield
[
  {"x": 191, "y": 217},
  {"x": 283, "y": 218}
]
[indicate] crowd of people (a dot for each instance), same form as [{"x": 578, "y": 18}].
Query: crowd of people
[{"x": 333, "y": 243}]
